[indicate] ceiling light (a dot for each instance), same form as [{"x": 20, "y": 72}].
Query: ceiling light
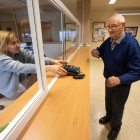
[
  {"x": 129, "y": 13},
  {"x": 112, "y": 1}
]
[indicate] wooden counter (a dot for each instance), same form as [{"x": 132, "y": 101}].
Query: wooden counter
[{"x": 64, "y": 113}]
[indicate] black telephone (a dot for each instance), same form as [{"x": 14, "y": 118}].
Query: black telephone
[{"x": 72, "y": 70}]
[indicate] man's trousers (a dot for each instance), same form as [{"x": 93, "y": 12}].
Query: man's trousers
[{"x": 115, "y": 100}]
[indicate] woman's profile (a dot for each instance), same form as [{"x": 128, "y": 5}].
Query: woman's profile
[{"x": 15, "y": 64}]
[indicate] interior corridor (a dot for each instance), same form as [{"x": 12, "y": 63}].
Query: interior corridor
[{"x": 130, "y": 124}]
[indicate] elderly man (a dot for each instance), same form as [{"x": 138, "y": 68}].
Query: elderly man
[{"x": 121, "y": 56}]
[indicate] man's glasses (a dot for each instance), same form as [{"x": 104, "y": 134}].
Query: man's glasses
[{"x": 113, "y": 27}]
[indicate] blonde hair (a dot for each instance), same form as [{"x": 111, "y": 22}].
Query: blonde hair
[{"x": 5, "y": 39}]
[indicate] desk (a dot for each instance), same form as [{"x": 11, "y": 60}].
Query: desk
[{"x": 64, "y": 113}]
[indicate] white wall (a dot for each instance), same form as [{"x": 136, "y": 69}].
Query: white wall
[{"x": 131, "y": 21}]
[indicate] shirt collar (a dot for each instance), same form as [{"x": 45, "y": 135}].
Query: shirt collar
[{"x": 118, "y": 41}]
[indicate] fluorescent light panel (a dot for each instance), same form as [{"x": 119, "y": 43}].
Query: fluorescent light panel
[
  {"x": 129, "y": 13},
  {"x": 112, "y": 1}
]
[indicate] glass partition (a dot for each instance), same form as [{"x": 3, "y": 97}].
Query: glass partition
[
  {"x": 76, "y": 8},
  {"x": 8, "y": 26},
  {"x": 23, "y": 26},
  {"x": 45, "y": 21},
  {"x": 6, "y": 14},
  {"x": 51, "y": 31},
  {"x": 71, "y": 36},
  {"x": 7, "y": 20},
  {"x": 20, "y": 73}
]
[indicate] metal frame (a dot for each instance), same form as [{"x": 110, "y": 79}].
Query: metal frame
[{"x": 59, "y": 4}]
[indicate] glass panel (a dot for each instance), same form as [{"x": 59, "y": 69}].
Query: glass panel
[
  {"x": 17, "y": 69},
  {"x": 6, "y": 15},
  {"x": 51, "y": 34},
  {"x": 71, "y": 36},
  {"x": 23, "y": 25},
  {"x": 51, "y": 31},
  {"x": 8, "y": 26},
  {"x": 75, "y": 7}
]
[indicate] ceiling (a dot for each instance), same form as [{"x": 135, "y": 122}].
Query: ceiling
[
  {"x": 95, "y": 4},
  {"x": 16, "y": 3},
  {"x": 72, "y": 5},
  {"x": 103, "y": 4}
]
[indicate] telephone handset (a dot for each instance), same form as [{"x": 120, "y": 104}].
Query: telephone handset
[{"x": 72, "y": 70}]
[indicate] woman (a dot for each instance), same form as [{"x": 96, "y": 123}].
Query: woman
[{"x": 14, "y": 63}]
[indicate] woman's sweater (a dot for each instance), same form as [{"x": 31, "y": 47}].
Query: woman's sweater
[{"x": 11, "y": 67}]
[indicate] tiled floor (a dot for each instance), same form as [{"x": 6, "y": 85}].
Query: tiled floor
[{"x": 131, "y": 120}]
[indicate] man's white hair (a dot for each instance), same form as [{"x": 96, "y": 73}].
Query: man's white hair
[{"x": 119, "y": 17}]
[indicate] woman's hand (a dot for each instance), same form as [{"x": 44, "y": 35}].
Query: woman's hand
[
  {"x": 57, "y": 69},
  {"x": 58, "y": 62}
]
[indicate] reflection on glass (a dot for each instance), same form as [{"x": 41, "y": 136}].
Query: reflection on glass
[
  {"x": 24, "y": 73},
  {"x": 51, "y": 31},
  {"x": 8, "y": 26},
  {"x": 17, "y": 70},
  {"x": 6, "y": 15},
  {"x": 23, "y": 25},
  {"x": 71, "y": 36},
  {"x": 76, "y": 8},
  {"x": 17, "y": 63},
  {"x": 71, "y": 32}
]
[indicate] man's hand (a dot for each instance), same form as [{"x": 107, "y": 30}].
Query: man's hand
[
  {"x": 57, "y": 69},
  {"x": 58, "y": 62},
  {"x": 95, "y": 53},
  {"x": 112, "y": 81}
]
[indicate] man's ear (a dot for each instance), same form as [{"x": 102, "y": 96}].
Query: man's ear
[{"x": 124, "y": 24}]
